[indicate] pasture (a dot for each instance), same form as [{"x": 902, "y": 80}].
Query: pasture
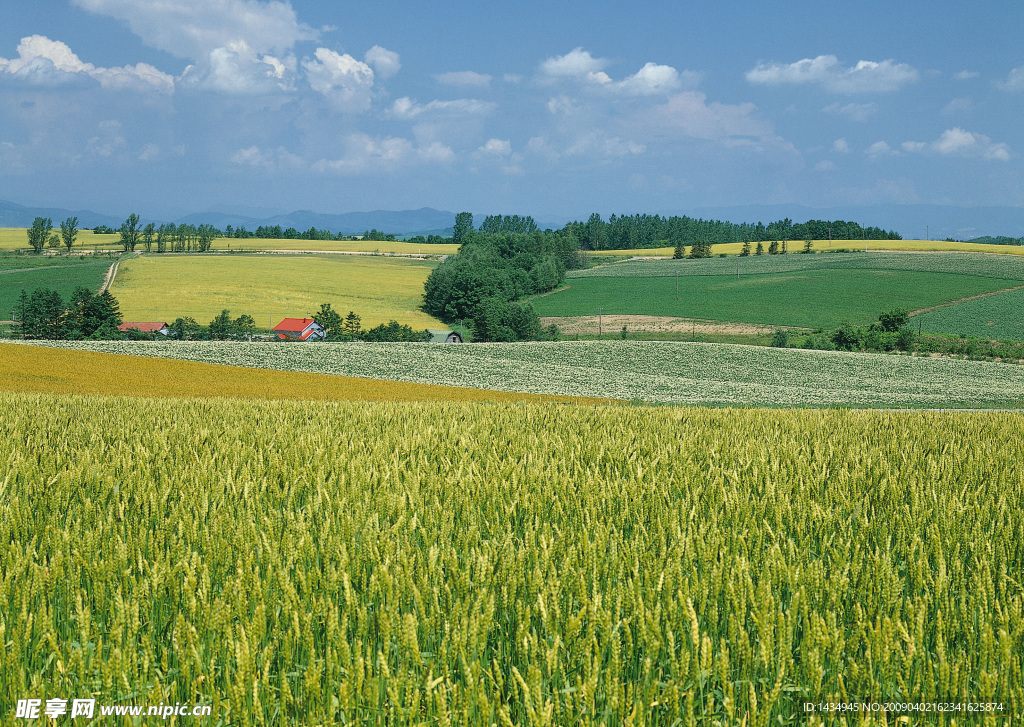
[
  {"x": 273, "y": 287},
  {"x": 811, "y": 291},
  {"x": 999, "y": 316},
  {"x": 444, "y": 563},
  {"x": 60, "y": 273},
  {"x": 660, "y": 372}
]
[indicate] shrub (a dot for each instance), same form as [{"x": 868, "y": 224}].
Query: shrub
[{"x": 780, "y": 339}]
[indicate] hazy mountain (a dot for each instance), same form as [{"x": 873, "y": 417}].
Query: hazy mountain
[
  {"x": 352, "y": 223},
  {"x": 16, "y": 215}
]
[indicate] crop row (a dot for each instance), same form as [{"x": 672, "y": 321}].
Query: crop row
[{"x": 649, "y": 371}]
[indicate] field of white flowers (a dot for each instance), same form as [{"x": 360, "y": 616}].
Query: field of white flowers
[{"x": 647, "y": 371}]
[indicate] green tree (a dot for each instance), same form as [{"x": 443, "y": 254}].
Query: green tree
[
  {"x": 147, "y": 236},
  {"x": 808, "y": 246},
  {"x": 463, "y": 226},
  {"x": 760, "y": 249},
  {"x": 330, "y": 320},
  {"x": 894, "y": 320},
  {"x": 773, "y": 247},
  {"x": 746, "y": 249},
  {"x": 680, "y": 252},
  {"x": 220, "y": 327},
  {"x": 187, "y": 329},
  {"x": 39, "y": 233},
  {"x": 130, "y": 233},
  {"x": 68, "y": 232},
  {"x": 352, "y": 325}
]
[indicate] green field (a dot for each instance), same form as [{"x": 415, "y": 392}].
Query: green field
[
  {"x": 647, "y": 371},
  {"x": 810, "y": 299},
  {"x": 63, "y": 274},
  {"x": 795, "y": 246},
  {"x": 999, "y": 316},
  {"x": 311, "y": 563},
  {"x": 273, "y": 287}
]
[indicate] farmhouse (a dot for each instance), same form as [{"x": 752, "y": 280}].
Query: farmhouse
[
  {"x": 145, "y": 327},
  {"x": 299, "y": 329},
  {"x": 444, "y": 336}
]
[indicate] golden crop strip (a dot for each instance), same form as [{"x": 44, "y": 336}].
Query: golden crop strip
[
  {"x": 335, "y": 563},
  {"x": 61, "y": 371}
]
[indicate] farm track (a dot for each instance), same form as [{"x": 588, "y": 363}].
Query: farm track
[{"x": 922, "y": 311}]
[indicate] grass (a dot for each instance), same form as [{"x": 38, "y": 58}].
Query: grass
[
  {"x": 273, "y": 287},
  {"x": 63, "y": 274},
  {"x": 646, "y": 371},
  {"x": 999, "y": 316},
  {"x": 808, "y": 298},
  {"x": 69, "y": 371}
]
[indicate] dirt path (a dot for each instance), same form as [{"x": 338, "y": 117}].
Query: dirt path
[
  {"x": 588, "y": 325},
  {"x": 962, "y": 300},
  {"x": 111, "y": 274}
]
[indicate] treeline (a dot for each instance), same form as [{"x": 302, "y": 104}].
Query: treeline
[
  {"x": 998, "y": 240},
  {"x": 491, "y": 271},
  {"x": 640, "y": 231},
  {"x": 275, "y": 232},
  {"x": 43, "y": 314}
]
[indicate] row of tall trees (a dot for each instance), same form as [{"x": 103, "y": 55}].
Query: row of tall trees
[
  {"x": 44, "y": 314},
  {"x": 628, "y": 232}
]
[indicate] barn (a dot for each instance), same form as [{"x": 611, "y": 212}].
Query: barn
[{"x": 145, "y": 327}]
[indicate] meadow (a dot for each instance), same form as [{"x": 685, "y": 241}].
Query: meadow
[
  {"x": 644, "y": 371},
  {"x": 273, "y": 287},
  {"x": 446, "y": 563},
  {"x": 60, "y": 273},
  {"x": 999, "y": 316}
]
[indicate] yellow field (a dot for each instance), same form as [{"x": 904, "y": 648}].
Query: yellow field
[
  {"x": 38, "y": 369},
  {"x": 274, "y": 287},
  {"x": 13, "y": 238},
  {"x": 734, "y": 248},
  {"x": 407, "y": 248}
]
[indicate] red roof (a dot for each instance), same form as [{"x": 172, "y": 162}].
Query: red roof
[
  {"x": 143, "y": 327},
  {"x": 293, "y": 325}
]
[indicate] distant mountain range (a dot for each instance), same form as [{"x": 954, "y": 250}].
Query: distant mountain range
[{"x": 911, "y": 221}]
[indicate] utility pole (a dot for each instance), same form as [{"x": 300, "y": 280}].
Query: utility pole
[
  {"x": 599, "y": 322},
  {"x": 677, "y": 284}
]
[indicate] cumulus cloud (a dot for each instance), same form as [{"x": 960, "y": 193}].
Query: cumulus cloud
[
  {"x": 237, "y": 68},
  {"x": 958, "y": 106},
  {"x": 192, "y": 29},
  {"x": 966, "y": 75},
  {"x": 343, "y": 80},
  {"x": 463, "y": 78},
  {"x": 689, "y": 114},
  {"x": 406, "y": 108},
  {"x": 385, "y": 62},
  {"x": 1014, "y": 81},
  {"x": 580, "y": 67},
  {"x": 854, "y": 111},
  {"x": 365, "y": 154},
  {"x": 576, "y": 65},
  {"x": 42, "y": 61},
  {"x": 271, "y": 159},
  {"x": 958, "y": 142},
  {"x": 826, "y": 71},
  {"x": 841, "y": 146},
  {"x": 879, "y": 150},
  {"x": 496, "y": 147}
]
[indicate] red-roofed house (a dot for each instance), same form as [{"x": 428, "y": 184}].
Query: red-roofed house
[
  {"x": 145, "y": 327},
  {"x": 299, "y": 329}
]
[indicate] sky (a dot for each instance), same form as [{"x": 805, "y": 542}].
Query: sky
[{"x": 555, "y": 109}]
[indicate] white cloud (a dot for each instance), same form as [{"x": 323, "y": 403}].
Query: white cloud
[
  {"x": 649, "y": 80},
  {"x": 108, "y": 142},
  {"x": 840, "y": 146},
  {"x": 865, "y": 77},
  {"x": 958, "y": 142},
  {"x": 406, "y": 108},
  {"x": 343, "y": 80},
  {"x": 51, "y": 62},
  {"x": 854, "y": 111},
  {"x": 577, "y": 65},
  {"x": 385, "y": 62},
  {"x": 463, "y": 78},
  {"x": 562, "y": 106},
  {"x": 879, "y": 150},
  {"x": 278, "y": 158},
  {"x": 192, "y": 29},
  {"x": 958, "y": 106},
  {"x": 599, "y": 144},
  {"x": 1014, "y": 81},
  {"x": 966, "y": 75},
  {"x": 825, "y": 166},
  {"x": 496, "y": 147},
  {"x": 689, "y": 114},
  {"x": 365, "y": 154}
]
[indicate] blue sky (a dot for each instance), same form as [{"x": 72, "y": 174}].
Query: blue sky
[{"x": 555, "y": 109}]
